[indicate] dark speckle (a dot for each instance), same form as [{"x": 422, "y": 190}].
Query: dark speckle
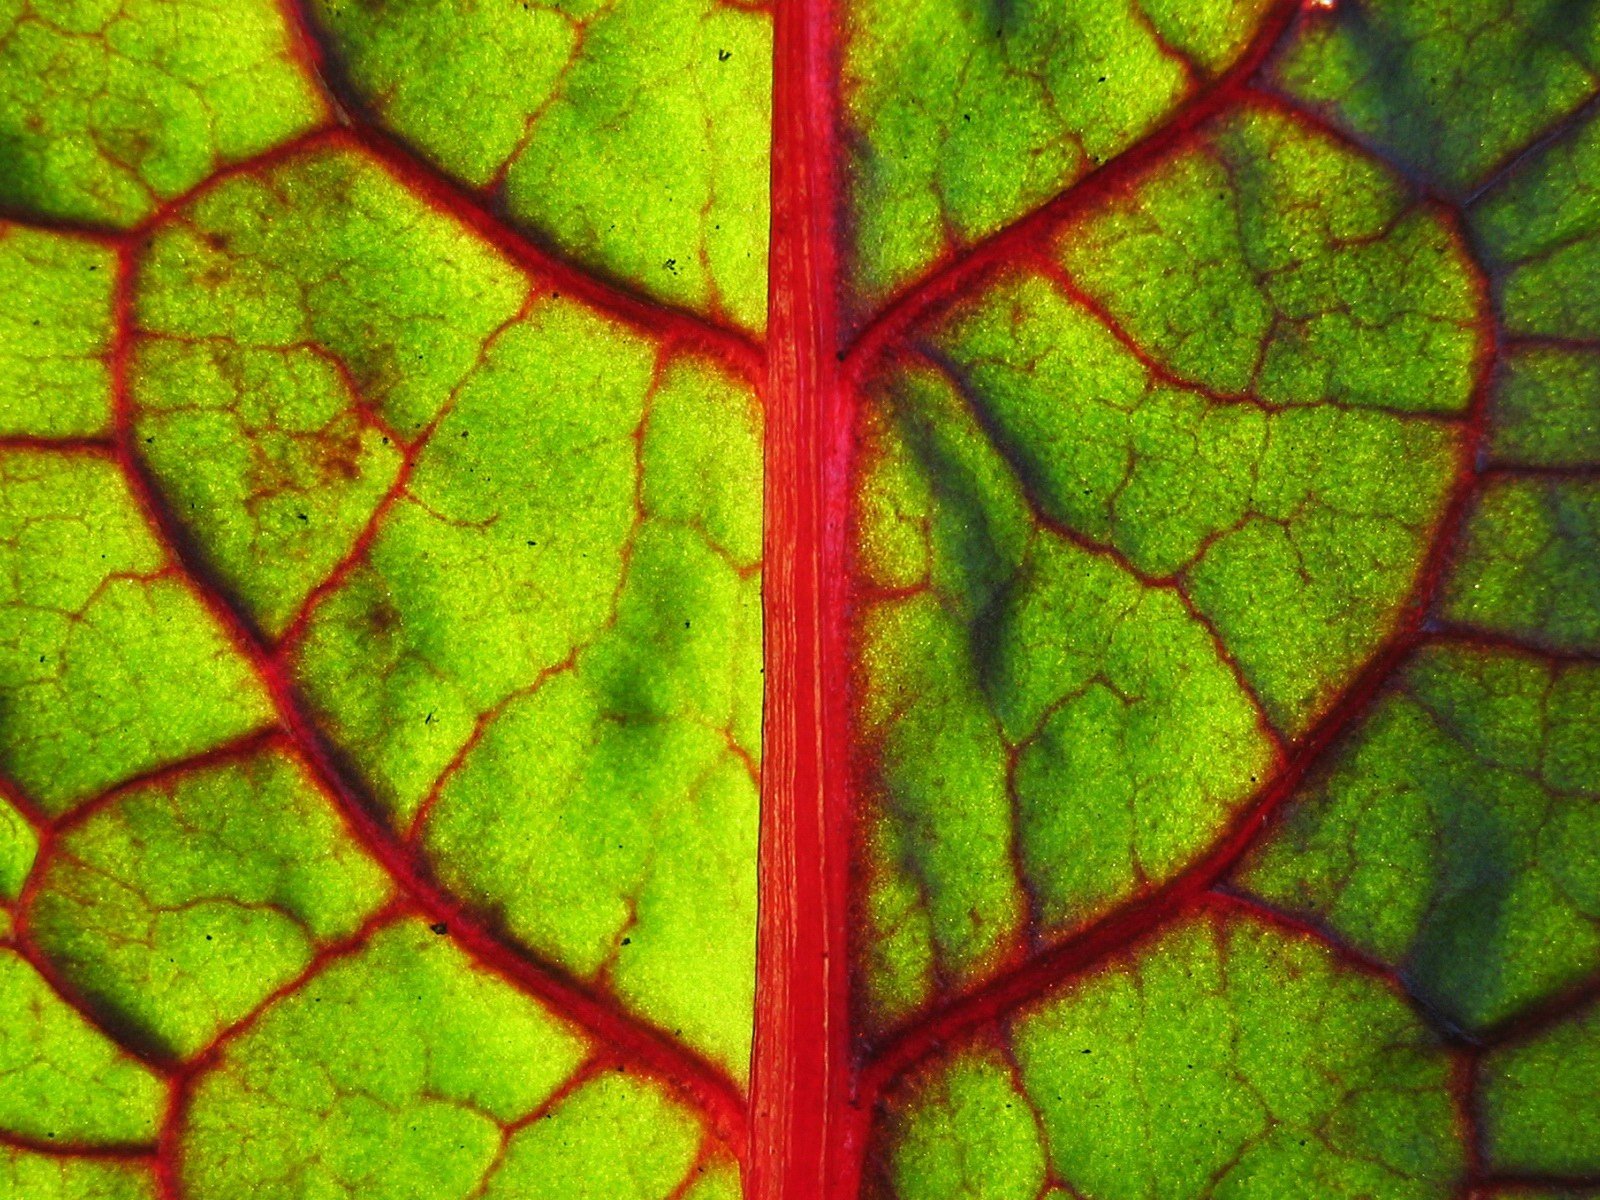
[{"x": 440, "y": 928}]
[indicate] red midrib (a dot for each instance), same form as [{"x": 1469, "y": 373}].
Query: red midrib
[{"x": 801, "y": 1145}]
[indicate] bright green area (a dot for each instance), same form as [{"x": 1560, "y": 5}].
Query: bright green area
[
  {"x": 55, "y": 333},
  {"x": 180, "y": 906},
  {"x": 48, "y": 1177},
  {"x": 1029, "y": 703},
  {"x": 631, "y": 134},
  {"x": 482, "y": 578},
  {"x": 1546, "y": 408},
  {"x": 608, "y": 811},
  {"x": 1526, "y": 566},
  {"x": 109, "y": 664},
  {"x": 1540, "y": 1100},
  {"x": 1540, "y": 233},
  {"x": 962, "y": 115},
  {"x": 617, "y": 1137},
  {"x": 60, "y": 1077},
  {"x": 1448, "y": 90},
  {"x": 106, "y": 109},
  {"x": 967, "y": 1132},
  {"x": 19, "y": 844},
  {"x": 1457, "y": 834},
  {"x": 298, "y": 329},
  {"x": 403, "y": 1072},
  {"x": 1271, "y": 260},
  {"x": 1222, "y": 1059}
]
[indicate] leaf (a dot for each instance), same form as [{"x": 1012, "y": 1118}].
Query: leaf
[{"x": 1095, "y": 504}]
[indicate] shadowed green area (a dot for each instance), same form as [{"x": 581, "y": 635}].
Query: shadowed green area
[
  {"x": 1127, "y": 518},
  {"x": 1269, "y": 259},
  {"x": 109, "y": 664},
  {"x": 1222, "y": 1059},
  {"x": 60, "y": 1077},
  {"x": 106, "y": 109},
  {"x": 1540, "y": 1100},
  {"x": 48, "y": 1177},
  {"x": 182, "y": 905},
  {"x": 1448, "y": 90},
  {"x": 1546, "y": 409},
  {"x": 55, "y": 333},
  {"x": 631, "y": 134},
  {"x": 405, "y": 1044},
  {"x": 1540, "y": 233},
  {"x": 1526, "y": 567},
  {"x": 962, "y": 115},
  {"x": 299, "y": 329},
  {"x": 1456, "y": 835},
  {"x": 1023, "y": 696}
]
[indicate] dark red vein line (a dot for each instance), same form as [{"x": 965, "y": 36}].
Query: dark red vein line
[
  {"x": 737, "y": 350},
  {"x": 126, "y": 1037},
  {"x": 65, "y": 445},
  {"x": 1556, "y": 131},
  {"x": 968, "y": 1013},
  {"x": 127, "y": 1040},
  {"x": 57, "y": 1148},
  {"x": 1528, "y": 1025},
  {"x": 1451, "y": 633},
  {"x": 1226, "y": 902},
  {"x": 1469, "y": 1116},
  {"x": 1536, "y": 1181},
  {"x": 956, "y": 276},
  {"x": 698, "y": 1080},
  {"x": 168, "y": 774}
]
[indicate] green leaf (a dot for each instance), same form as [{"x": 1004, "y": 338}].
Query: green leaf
[
  {"x": 1095, "y": 507},
  {"x": 1223, "y": 1058}
]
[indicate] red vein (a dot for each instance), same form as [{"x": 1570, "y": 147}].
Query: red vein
[{"x": 704, "y": 1084}]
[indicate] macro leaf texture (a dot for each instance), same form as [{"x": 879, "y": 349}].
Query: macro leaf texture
[{"x": 800, "y": 600}]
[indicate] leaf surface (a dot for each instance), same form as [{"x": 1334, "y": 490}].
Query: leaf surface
[{"x": 1095, "y": 506}]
